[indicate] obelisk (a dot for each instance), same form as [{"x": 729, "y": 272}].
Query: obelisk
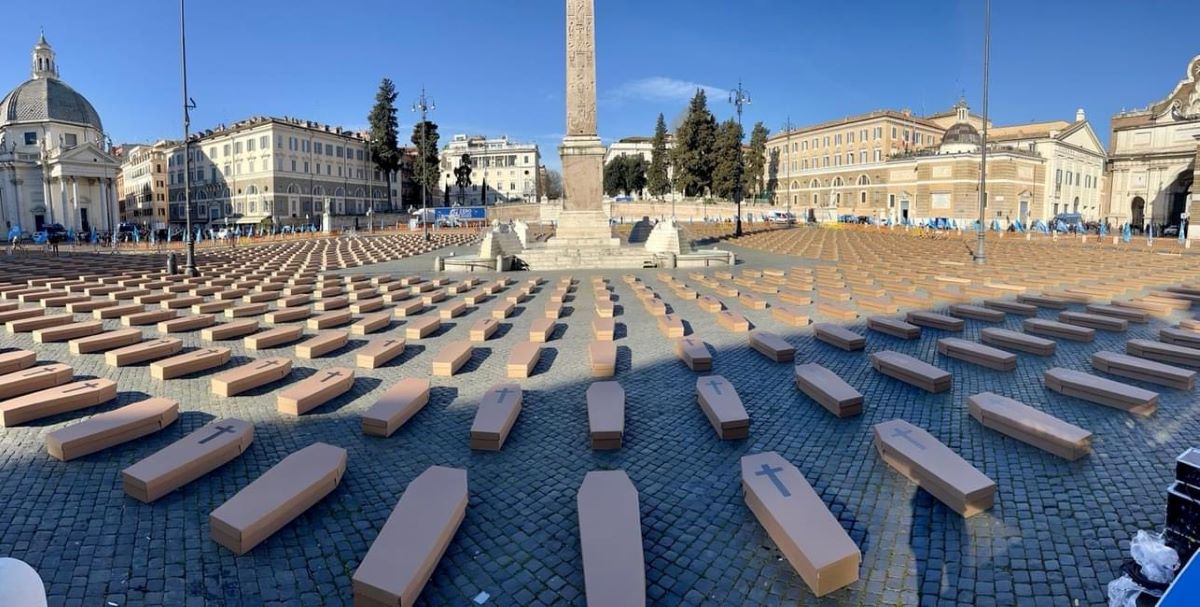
[{"x": 583, "y": 222}]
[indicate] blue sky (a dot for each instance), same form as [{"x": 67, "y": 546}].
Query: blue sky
[{"x": 496, "y": 67}]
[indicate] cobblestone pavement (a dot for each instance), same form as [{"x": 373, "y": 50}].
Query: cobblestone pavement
[{"x": 1056, "y": 536}]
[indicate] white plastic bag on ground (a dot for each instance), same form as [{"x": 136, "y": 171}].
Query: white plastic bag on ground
[
  {"x": 1123, "y": 592},
  {"x": 1158, "y": 560}
]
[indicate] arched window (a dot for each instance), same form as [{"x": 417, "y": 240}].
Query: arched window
[
  {"x": 837, "y": 182},
  {"x": 293, "y": 189},
  {"x": 864, "y": 180},
  {"x": 814, "y": 184},
  {"x": 252, "y": 190}
]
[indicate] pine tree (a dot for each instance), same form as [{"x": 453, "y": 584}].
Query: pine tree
[
  {"x": 425, "y": 169},
  {"x": 614, "y": 176},
  {"x": 385, "y": 151},
  {"x": 635, "y": 174},
  {"x": 695, "y": 139},
  {"x": 756, "y": 162},
  {"x": 657, "y": 180},
  {"x": 727, "y": 169}
]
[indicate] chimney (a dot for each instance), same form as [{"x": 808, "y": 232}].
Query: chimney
[{"x": 1079, "y": 115}]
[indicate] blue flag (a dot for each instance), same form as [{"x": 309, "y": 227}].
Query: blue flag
[
  {"x": 40, "y": 238},
  {"x": 1127, "y": 233}
]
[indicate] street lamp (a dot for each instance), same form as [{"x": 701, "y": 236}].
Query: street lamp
[
  {"x": 739, "y": 98},
  {"x": 424, "y": 105},
  {"x": 189, "y": 266},
  {"x": 980, "y": 258}
]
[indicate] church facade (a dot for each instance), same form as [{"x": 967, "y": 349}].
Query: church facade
[
  {"x": 1153, "y": 159},
  {"x": 55, "y": 163}
]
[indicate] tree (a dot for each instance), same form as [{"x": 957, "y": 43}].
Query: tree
[
  {"x": 552, "y": 187},
  {"x": 755, "y": 164},
  {"x": 483, "y": 192},
  {"x": 692, "y": 157},
  {"x": 425, "y": 168},
  {"x": 658, "y": 180},
  {"x": 773, "y": 174},
  {"x": 728, "y": 169},
  {"x": 634, "y": 171},
  {"x": 462, "y": 177},
  {"x": 385, "y": 151},
  {"x": 614, "y": 176}
]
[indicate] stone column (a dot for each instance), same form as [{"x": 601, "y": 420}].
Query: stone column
[
  {"x": 64, "y": 217},
  {"x": 75, "y": 203},
  {"x": 47, "y": 198},
  {"x": 111, "y": 215}
]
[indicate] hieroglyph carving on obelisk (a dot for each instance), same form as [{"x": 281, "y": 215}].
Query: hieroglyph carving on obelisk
[{"x": 581, "y": 68}]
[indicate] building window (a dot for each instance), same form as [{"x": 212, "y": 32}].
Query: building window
[
  {"x": 893, "y": 132},
  {"x": 70, "y": 140},
  {"x": 862, "y": 157},
  {"x": 264, "y": 142},
  {"x": 850, "y": 158},
  {"x": 31, "y": 138},
  {"x": 293, "y": 165},
  {"x": 329, "y": 149},
  {"x": 891, "y": 201}
]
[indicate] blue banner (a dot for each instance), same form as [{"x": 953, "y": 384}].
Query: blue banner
[{"x": 460, "y": 213}]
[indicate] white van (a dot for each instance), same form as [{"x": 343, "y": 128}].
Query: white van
[{"x": 780, "y": 217}]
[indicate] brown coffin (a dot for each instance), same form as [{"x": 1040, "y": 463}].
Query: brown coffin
[
  {"x": 245, "y": 310},
  {"x": 364, "y": 306},
  {"x": 894, "y": 327},
  {"x": 1050, "y": 328},
  {"x": 453, "y": 309},
  {"x": 250, "y": 376},
  {"x": 69, "y": 331},
  {"x": 1127, "y": 314},
  {"x": 934, "y": 467},
  {"x": 935, "y": 321},
  {"x": 1043, "y": 301},
  {"x": 379, "y": 351},
  {"x": 1020, "y": 342},
  {"x": 229, "y": 330},
  {"x": 1167, "y": 353},
  {"x": 276, "y": 498},
  {"x": 183, "y": 324},
  {"x": 911, "y": 371},
  {"x": 721, "y": 405},
  {"x": 772, "y": 346},
  {"x": 187, "y": 459},
  {"x": 412, "y": 541},
  {"x": 33, "y": 323},
  {"x": 273, "y": 338},
  {"x": 976, "y": 313},
  {"x": 838, "y": 336},
  {"x": 483, "y": 329},
  {"x": 322, "y": 343},
  {"x": 329, "y": 320},
  {"x": 422, "y": 327},
  {"x": 522, "y": 359},
  {"x": 975, "y": 353},
  {"x": 201, "y": 359},
  {"x": 1101, "y": 391},
  {"x": 1145, "y": 370},
  {"x": 606, "y": 414},
  {"x": 320, "y": 388},
  {"x": 541, "y": 330},
  {"x": 829, "y": 390},
  {"x": 610, "y": 540},
  {"x": 32, "y": 379},
  {"x": 16, "y": 361},
  {"x": 401, "y": 401},
  {"x": 1011, "y": 307},
  {"x": 502, "y": 310},
  {"x": 371, "y": 323},
  {"x": 1029, "y": 425},
  {"x": 799, "y": 522},
  {"x": 789, "y": 316},
  {"x": 694, "y": 353},
  {"x": 603, "y": 329},
  {"x": 143, "y": 351},
  {"x": 602, "y": 357},
  {"x": 111, "y": 428},
  {"x": 670, "y": 326},
  {"x": 1093, "y": 321},
  {"x": 732, "y": 321},
  {"x": 451, "y": 358},
  {"x": 1180, "y": 337},
  {"x": 494, "y": 418},
  {"x": 59, "y": 399},
  {"x": 282, "y": 315}
]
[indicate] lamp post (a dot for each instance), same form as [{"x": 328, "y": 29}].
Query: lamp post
[
  {"x": 424, "y": 105},
  {"x": 979, "y": 257},
  {"x": 739, "y": 98},
  {"x": 189, "y": 265}
]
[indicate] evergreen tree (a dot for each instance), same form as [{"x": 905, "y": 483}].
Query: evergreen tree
[
  {"x": 727, "y": 169},
  {"x": 425, "y": 168},
  {"x": 385, "y": 151},
  {"x": 755, "y": 163},
  {"x": 657, "y": 180},
  {"x": 695, "y": 139},
  {"x": 614, "y": 176},
  {"x": 773, "y": 174},
  {"x": 635, "y": 175}
]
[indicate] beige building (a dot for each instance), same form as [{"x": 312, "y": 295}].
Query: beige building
[
  {"x": 284, "y": 170},
  {"x": 508, "y": 168},
  {"x": 892, "y": 164},
  {"x": 1154, "y": 158},
  {"x": 142, "y": 188}
]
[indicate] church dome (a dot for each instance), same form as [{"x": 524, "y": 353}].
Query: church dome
[
  {"x": 48, "y": 99},
  {"x": 45, "y": 97},
  {"x": 961, "y": 133}
]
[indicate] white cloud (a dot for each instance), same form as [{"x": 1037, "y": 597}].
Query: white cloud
[{"x": 661, "y": 88}]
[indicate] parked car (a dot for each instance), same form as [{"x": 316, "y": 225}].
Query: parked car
[{"x": 780, "y": 217}]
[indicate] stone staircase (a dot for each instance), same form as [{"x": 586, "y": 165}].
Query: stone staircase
[{"x": 565, "y": 258}]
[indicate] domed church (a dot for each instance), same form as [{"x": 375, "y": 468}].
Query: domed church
[{"x": 55, "y": 165}]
